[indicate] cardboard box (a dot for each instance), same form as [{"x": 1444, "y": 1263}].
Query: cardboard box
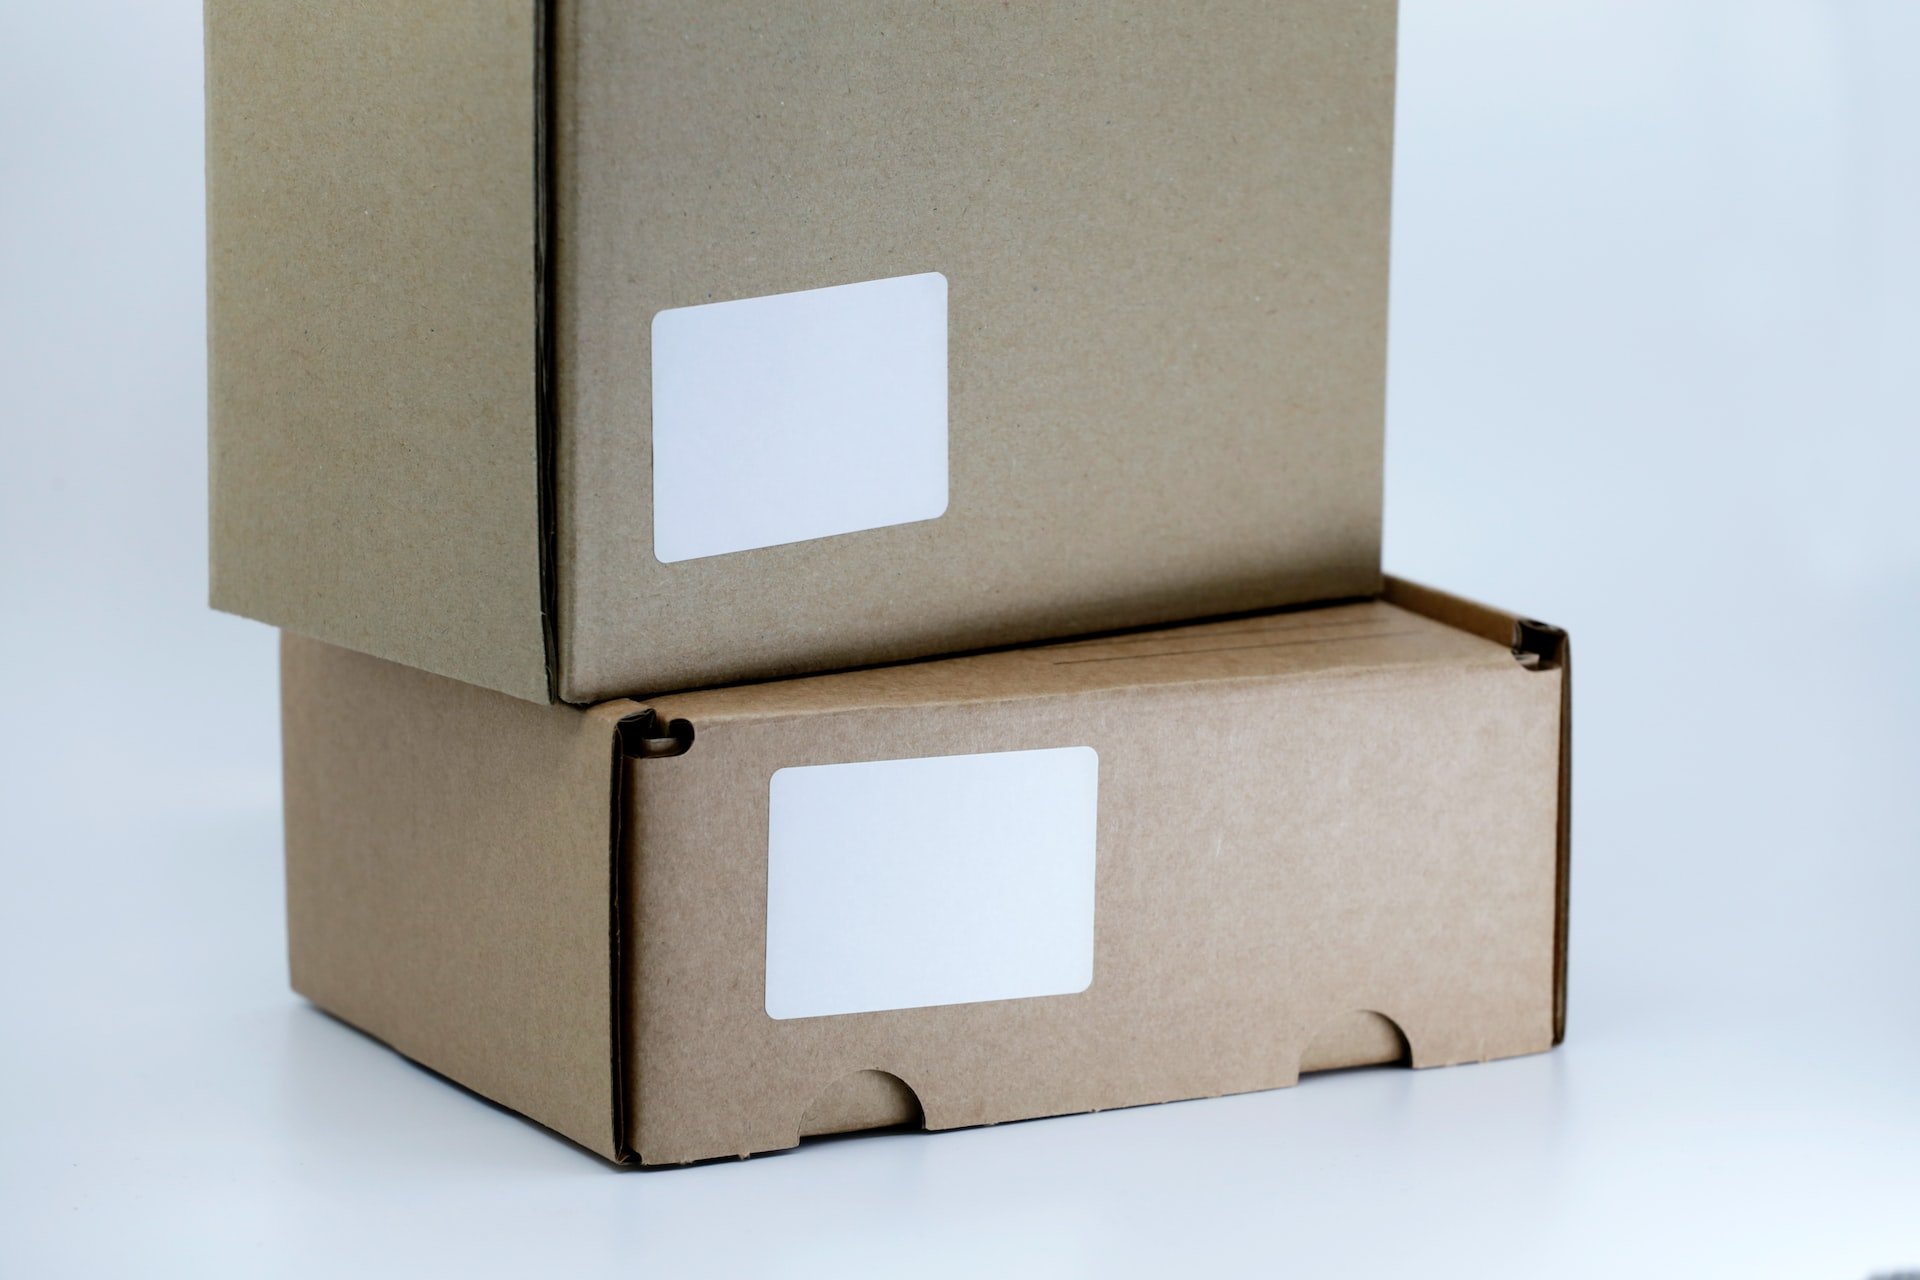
[
  {"x": 586, "y": 349},
  {"x": 1073, "y": 877}
]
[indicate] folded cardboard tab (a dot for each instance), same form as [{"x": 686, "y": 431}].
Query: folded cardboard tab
[
  {"x": 1070, "y": 877},
  {"x": 589, "y": 349}
]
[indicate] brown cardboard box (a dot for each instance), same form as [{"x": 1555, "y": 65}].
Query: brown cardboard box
[
  {"x": 1035, "y": 320},
  {"x": 1085, "y": 875}
]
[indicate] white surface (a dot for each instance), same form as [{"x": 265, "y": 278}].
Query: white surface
[
  {"x": 902, "y": 884},
  {"x": 799, "y": 416},
  {"x": 1656, "y": 304}
]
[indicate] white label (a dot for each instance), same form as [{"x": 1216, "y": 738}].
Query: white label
[
  {"x": 799, "y": 416},
  {"x": 899, "y": 884}
]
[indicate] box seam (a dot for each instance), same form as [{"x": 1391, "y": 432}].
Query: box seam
[
  {"x": 1563, "y": 854},
  {"x": 625, "y": 1120},
  {"x": 545, "y": 409}
]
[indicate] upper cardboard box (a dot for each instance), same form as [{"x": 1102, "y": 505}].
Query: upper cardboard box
[{"x": 590, "y": 348}]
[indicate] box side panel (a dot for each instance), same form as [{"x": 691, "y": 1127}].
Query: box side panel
[
  {"x": 1502, "y": 627},
  {"x": 371, "y": 329},
  {"x": 1288, "y": 872},
  {"x": 448, "y": 878},
  {"x": 1164, "y": 234}
]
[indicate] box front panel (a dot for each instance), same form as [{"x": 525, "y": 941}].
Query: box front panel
[
  {"x": 1274, "y": 861},
  {"x": 1161, "y": 233}
]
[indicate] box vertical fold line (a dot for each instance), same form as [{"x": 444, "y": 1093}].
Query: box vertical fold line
[{"x": 546, "y": 412}]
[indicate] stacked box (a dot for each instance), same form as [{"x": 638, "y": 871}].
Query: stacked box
[
  {"x": 622, "y": 406},
  {"x": 1063, "y": 878},
  {"x": 630, "y": 347}
]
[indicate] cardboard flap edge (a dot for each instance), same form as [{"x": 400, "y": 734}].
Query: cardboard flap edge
[{"x": 1540, "y": 646}]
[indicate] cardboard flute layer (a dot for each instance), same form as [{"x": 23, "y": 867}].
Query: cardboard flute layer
[
  {"x": 1047, "y": 319},
  {"x": 1319, "y": 838}
]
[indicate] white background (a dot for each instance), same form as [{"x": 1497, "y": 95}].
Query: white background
[{"x": 1655, "y": 364}]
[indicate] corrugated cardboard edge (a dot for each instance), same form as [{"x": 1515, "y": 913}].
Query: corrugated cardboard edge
[
  {"x": 1505, "y": 628},
  {"x": 373, "y": 325},
  {"x": 709, "y": 152}
]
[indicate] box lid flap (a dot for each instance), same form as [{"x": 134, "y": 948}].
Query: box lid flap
[{"x": 1325, "y": 642}]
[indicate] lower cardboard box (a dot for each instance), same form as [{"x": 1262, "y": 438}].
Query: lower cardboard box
[{"x": 1091, "y": 874}]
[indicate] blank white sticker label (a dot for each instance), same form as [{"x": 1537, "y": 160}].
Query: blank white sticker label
[
  {"x": 900, "y": 884},
  {"x": 799, "y": 416}
]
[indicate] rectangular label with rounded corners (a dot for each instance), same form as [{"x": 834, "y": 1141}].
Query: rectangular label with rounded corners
[
  {"x": 901, "y": 884},
  {"x": 799, "y": 416}
]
